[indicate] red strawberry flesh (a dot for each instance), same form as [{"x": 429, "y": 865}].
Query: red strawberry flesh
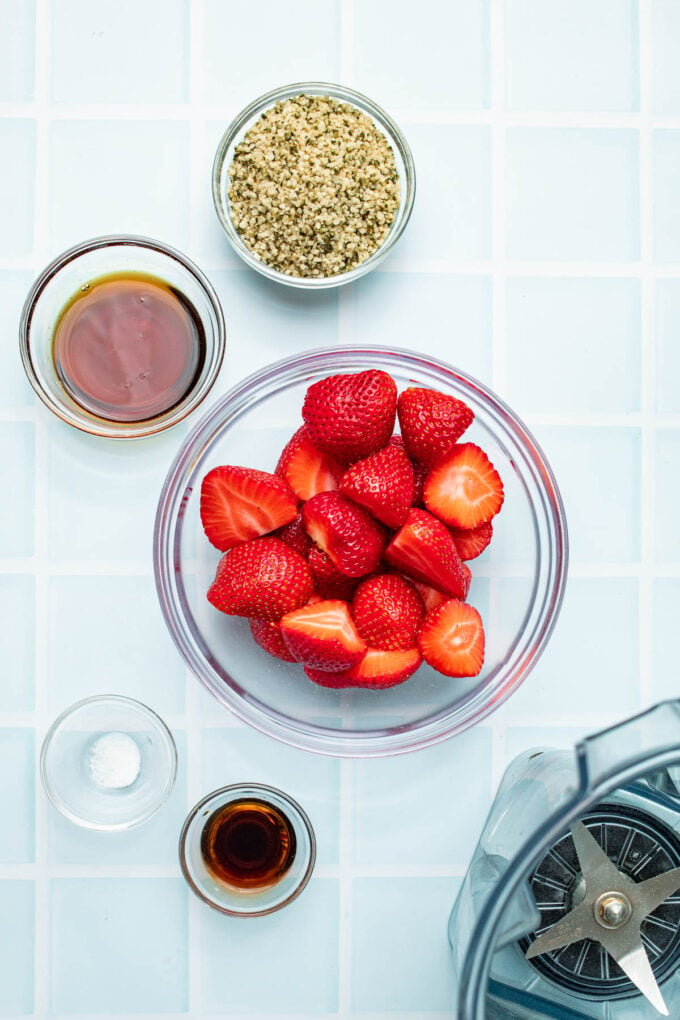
[
  {"x": 239, "y": 503},
  {"x": 377, "y": 670},
  {"x": 350, "y": 416},
  {"x": 347, "y": 533},
  {"x": 464, "y": 490},
  {"x": 305, "y": 468},
  {"x": 451, "y": 639},
  {"x": 471, "y": 542},
  {"x": 323, "y": 636},
  {"x": 424, "y": 549}
]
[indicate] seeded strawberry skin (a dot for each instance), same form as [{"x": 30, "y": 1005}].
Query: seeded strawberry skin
[
  {"x": 383, "y": 484},
  {"x": 378, "y": 670},
  {"x": 424, "y": 550},
  {"x": 267, "y": 634},
  {"x": 261, "y": 579},
  {"x": 431, "y": 422},
  {"x": 305, "y": 468},
  {"x": 346, "y": 532},
  {"x": 350, "y": 416},
  {"x": 329, "y": 583},
  {"x": 388, "y": 612},
  {"x": 323, "y": 636}
]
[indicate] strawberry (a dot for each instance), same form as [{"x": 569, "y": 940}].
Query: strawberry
[
  {"x": 262, "y": 579},
  {"x": 294, "y": 535},
  {"x": 470, "y": 542},
  {"x": 464, "y": 489},
  {"x": 383, "y": 483},
  {"x": 323, "y": 636},
  {"x": 387, "y": 611},
  {"x": 267, "y": 634},
  {"x": 351, "y": 416},
  {"x": 328, "y": 581},
  {"x": 305, "y": 468},
  {"x": 451, "y": 639},
  {"x": 467, "y": 574},
  {"x": 420, "y": 471},
  {"x": 346, "y": 532},
  {"x": 424, "y": 549},
  {"x": 378, "y": 669},
  {"x": 430, "y": 596},
  {"x": 431, "y": 422},
  {"x": 239, "y": 503}
]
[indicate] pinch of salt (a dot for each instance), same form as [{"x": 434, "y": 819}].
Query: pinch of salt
[{"x": 114, "y": 761}]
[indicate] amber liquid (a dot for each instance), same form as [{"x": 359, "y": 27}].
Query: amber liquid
[
  {"x": 127, "y": 347},
  {"x": 248, "y": 845}
]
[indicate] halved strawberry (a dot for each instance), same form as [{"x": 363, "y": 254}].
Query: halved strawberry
[
  {"x": 464, "y": 489},
  {"x": 451, "y": 639},
  {"x": 431, "y": 596},
  {"x": 305, "y": 468},
  {"x": 377, "y": 670},
  {"x": 328, "y": 581},
  {"x": 261, "y": 579},
  {"x": 323, "y": 636},
  {"x": 431, "y": 422},
  {"x": 239, "y": 503},
  {"x": 471, "y": 542},
  {"x": 294, "y": 535},
  {"x": 346, "y": 532},
  {"x": 351, "y": 416},
  {"x": 420, "y": 470},
  {"x": 267, "y": 634},
  {"x": 383, "y": 483},
  {"x": 424, "y": 549},
  {"x": 387, "y": 611},
  {"x": 467, "y": 574}
]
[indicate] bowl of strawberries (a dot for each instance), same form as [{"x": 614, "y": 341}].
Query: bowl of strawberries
[{"x": 360, "y": 551}]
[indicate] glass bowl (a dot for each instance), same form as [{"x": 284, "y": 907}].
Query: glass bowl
[
  {"x": 517, "y": 583},
  {"x": 108, "y": 763},
  {"x": 248, "y": 117},
  {"x": 254, "y": 901},
  {"x": 70, "y": 272}
]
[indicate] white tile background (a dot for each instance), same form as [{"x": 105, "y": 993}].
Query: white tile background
[{"x": 543, "y": 256}]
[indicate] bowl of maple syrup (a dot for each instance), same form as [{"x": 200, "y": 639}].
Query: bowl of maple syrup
[
  {"x": 247, "y": 850},
  {"x": 122, "y": 336}
]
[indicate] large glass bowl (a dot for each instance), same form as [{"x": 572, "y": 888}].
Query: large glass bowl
[
  {"x": 245, "y": 120},
  {"x": 517, "y": 583}
]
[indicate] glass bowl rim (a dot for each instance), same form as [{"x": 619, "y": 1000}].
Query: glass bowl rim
[
  {"x": 95, "y": 426},
  {"x": 333, "y": 742},
  {"x": 143, "y": 710},
  {"x": 263, "y": 788},
  {"x": 394, "y": 135}
]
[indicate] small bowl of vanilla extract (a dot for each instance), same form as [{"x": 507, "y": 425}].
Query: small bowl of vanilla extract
[
  {"x": 122, "y": 336},
  {"x": 247, "y": 849}
]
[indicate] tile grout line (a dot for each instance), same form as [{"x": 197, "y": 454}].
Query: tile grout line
[
  {"x": 194, "y": 1003},
  {"x": 647, "y": 364}
]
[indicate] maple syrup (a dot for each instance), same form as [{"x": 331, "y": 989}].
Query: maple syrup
[
  {"x": 248, "y": 845},
  {"x": 128, "y": 347}
]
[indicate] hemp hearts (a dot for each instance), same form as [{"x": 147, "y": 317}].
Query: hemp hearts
[{"x": 314, "y": 187}]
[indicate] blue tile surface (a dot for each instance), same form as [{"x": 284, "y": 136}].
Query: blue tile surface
[
  {"x": 15, "y": 390},
  {"x": 118, "y": 177},
  {"x": 400, "y": 955},
  {"x": 243, "y": 755},
  {"x": 573, "y": 194},
  {"x": 17, "y": 936},
  {"x": 439, "y": 59},
  {"x": 666, "y": 211},
  {"x": 666, "y": 606},
  {"x": 451, "y": 217},
  {"x": 102, "y": 54},
  {"x": 560, "y": 335},
  {"x": 667, "y": 539},
  {"x": 17, "y": 156},
  {"x": 665, "y": 17},
  {"x": 598, "y": 472},
  {"x": 107, "y": 637},
  {"x": 118, "y": 945},
  {"x": 667, "y": 347},
  {"x": 395, "y": 802},
  {"x": 285, "y": 963},
  {"x": 17, "y": 456},
  {"x": 17, "y": 51},
  {"x": 572, "y": 55},
  {"x": 17, "y": 642},
  {"x": 17, "y": 796}
]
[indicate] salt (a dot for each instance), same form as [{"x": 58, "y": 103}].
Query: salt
[{"x": 114, "y": 761}]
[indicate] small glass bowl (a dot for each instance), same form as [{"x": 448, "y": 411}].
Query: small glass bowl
[
  {"x": 247, "y": 902},
  {"x": 66, "y": 275},
  {"x": 517, "y": 584},
  {"x": 248, "y": 117},
  {"x": 108, "y": 763}
]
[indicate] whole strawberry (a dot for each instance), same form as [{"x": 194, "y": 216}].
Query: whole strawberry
[
  {"x": 383, "y": 483},
  {"x": 261, "y": 579},
  {"x": 351, "y": 416},
  {"x": 387, "y": 611},
  {"x": 431, "y": 423},
  {"x": 347, "y": 533}
]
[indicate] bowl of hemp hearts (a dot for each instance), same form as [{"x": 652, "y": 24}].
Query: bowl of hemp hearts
[{"x": 313, "y": 184}]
